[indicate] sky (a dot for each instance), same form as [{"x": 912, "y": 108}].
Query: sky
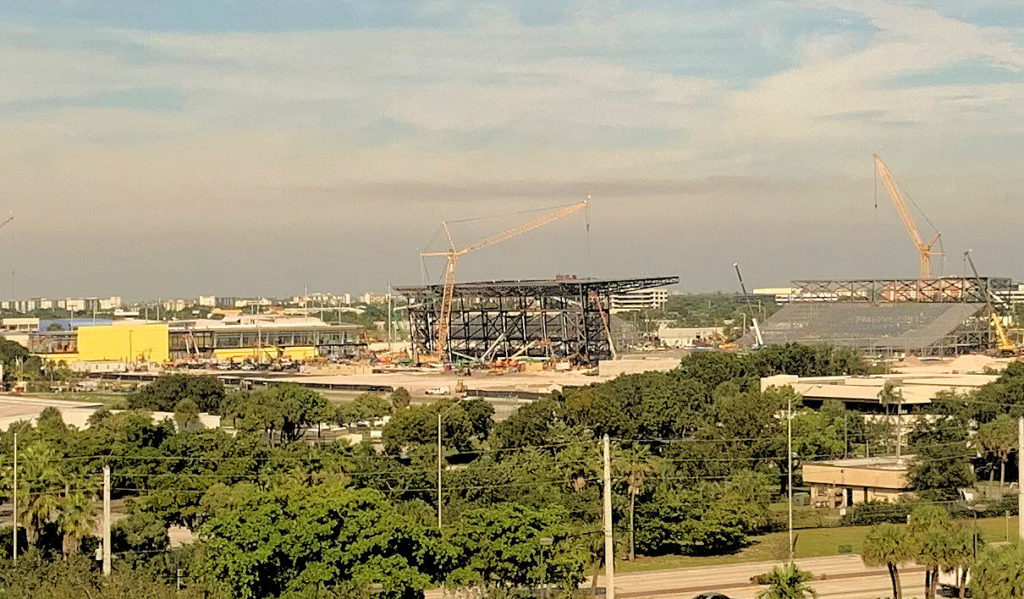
[{"x": 166, "y": 149}]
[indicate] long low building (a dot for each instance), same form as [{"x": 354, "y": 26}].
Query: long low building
[
  {"x": 863, "y": 393},
  {"x": 842, "y": 483},
  {"x": 158, "y": 342}
]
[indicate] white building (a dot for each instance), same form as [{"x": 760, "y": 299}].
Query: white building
[
  {"x": 640, "y": 299},
  {"x": 207, "y": 301},
  {"x": 679, "y": 337}
]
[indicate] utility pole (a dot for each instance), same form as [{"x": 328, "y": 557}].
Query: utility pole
[
  {"x": 106, "y": 520},
  {"x": 439, "y": 456},
  {"x": 609, "y": 541},
  {"x": 14, "y": 499},
  {"x": 789, "y": 474},
  {"x": 1020, "y": 469}
]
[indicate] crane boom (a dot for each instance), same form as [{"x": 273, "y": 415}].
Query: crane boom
[
  {"x": 924, "y": 249},
  {"x": 453, "y": 254}
]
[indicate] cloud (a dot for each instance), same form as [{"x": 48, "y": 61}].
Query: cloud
[{"x": 704, "y": 123}]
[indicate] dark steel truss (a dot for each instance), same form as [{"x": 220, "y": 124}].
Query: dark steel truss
[
  {"x": 563, "y": 319},
  {"x": 937, "y": 290}
]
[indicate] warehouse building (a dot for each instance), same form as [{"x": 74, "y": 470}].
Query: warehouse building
[{"x": 144, "y": 342}]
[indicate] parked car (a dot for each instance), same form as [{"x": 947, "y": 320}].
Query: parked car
[{"x": 711, "y": 595}]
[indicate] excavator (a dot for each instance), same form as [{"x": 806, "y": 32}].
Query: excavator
[{"x": 1004, "y": 345}]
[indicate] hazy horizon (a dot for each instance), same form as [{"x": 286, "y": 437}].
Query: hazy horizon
[{"x": 166, "y": 150}]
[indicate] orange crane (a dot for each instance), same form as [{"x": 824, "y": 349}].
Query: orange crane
[
  {"x": 453, "y": 254},
  {"x": 925, "y": 251}
]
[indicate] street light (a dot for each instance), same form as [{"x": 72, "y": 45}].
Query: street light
[
  {"x": 14, "y": 495},
  {"x": 441, "y": 413}
]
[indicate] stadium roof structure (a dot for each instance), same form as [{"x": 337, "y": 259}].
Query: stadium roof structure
[
  {"x": 562, "y": 319},
  {"x": 918, "y": 328},
  {"x": 562, "y": 287}
]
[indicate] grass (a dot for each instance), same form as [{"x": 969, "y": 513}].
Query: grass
[{"x": 811, "y": 542}]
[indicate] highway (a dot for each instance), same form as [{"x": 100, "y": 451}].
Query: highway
[{"x": 836, "y": 577}]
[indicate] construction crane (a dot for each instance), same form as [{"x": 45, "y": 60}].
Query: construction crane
[
  {"x": 925, "y": 250},
  {"x": 758, "y": 339},
  {"x": 1003, "y": 343},
  {"x": 452, "y": 255}
]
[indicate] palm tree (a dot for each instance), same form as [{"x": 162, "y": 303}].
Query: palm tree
[
  {"x": 76, "y": 520},
  {"x": 928, "y": 532},
  {"x": 38, "y": 478},
  {"x": 637, "y": 463},
  {"x": 787, "y": 582},
  {"x": 888, "y": 545},
  {"x": 999, "y": 438},
  {"x": 960, "y": 555}
]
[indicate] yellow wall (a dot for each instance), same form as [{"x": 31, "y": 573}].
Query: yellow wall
[
  {"x": 299, "y": 352},
  {"x": 125, "y": 343}
]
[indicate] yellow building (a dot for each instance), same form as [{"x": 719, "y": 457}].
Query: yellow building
[
  {"x": 124, "y": 343},
  {"x": 162, "y": 342}
]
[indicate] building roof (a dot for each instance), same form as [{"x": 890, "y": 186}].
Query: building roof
[
  {"x": 539, "y": 287},
  {"x": 899, "y": 326}
]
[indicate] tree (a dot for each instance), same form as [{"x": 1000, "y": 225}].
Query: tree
[
  {"x": 76, "y": 520},
  {"x": 999, "y": 438},
  {"x": 366, "y": 406},
  {"x": 501, "y": 548},
  {"x": 186, "y": 413},
  {"x": 999, "y": 573},
  {"x": 305, "y": 541},
  {"x": 287, "y": 409},
  {"x": 929, "y": 533},
  {"x": 636, "y": 463},
  {"x": 888, "y": 545},
  {"x": 400, "y": 398},
  {"x": 167, "y": 390},
  {"x": 38, "y": 480},
  {"x": 787, "y": 582},
  {"x": 942, "y": 458}
]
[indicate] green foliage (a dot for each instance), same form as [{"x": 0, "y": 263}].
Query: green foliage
[
  {"x": 286, "y": 410},
  {"x": 292, "y": 539},
  {"x": 164, "y": 393},
  {"x": 78, "y": 577},
  {"x": 786, "y": 582},
  {"x": 942, "y": 463},
  {"x": 877, "y": 512},
  {"x": 500, "y": 547},
  {"x": 365, "y": 407},
  {"x": 999, "y": 572},
  {"x": 703, "y": 518},
  {"x": 464, "y": 425},
  {"x": 400, "y": 398}
]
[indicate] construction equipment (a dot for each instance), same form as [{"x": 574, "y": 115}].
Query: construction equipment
[
  {"x": 758, "y": 340},
  {"x": 1003, "y": 343},
  {"x": 453, "y": 254},
  {"x": 594, "y": 297},
  {"x": 925, "y": 251}
]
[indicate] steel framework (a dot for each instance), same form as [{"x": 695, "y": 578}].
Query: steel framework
[
  {"x": 560, "y": 318},
  {"x": 936, "y": 290}
]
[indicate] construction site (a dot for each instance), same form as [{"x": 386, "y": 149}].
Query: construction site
[{"x": 534, "y": 335}]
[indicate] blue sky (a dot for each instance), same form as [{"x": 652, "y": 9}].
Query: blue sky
[{"x": 172, "y": 148}]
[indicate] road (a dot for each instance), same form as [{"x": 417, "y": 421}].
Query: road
[{"x": 836, "y": 577}]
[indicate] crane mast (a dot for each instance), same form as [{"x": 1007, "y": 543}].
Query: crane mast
[
  {"x": 453, "y": 254},
  {"x": 925, "y": 250}
]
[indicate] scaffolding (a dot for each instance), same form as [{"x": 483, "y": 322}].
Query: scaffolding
[{"x": 561, "y": 319}]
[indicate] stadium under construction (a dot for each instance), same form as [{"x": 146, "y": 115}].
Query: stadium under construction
[
  {"x": 564, "y": 319},
  {"x": 925, "y": 317}
]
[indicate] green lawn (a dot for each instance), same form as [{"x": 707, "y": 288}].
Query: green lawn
[{"x": 812, "y": 542}]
